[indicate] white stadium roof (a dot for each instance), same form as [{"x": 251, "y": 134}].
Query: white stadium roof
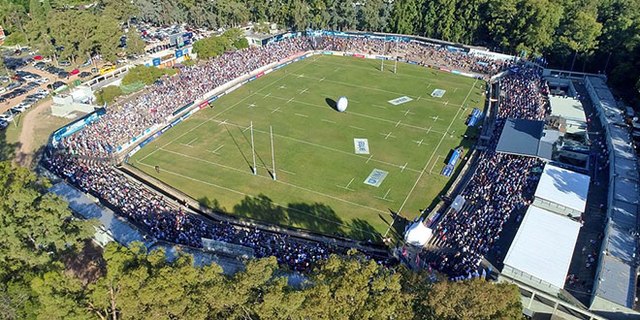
[
  {"x": 418, "y": 234},
  {"x": 563, "y": 187},
  {"x": 544, "y": 245}
]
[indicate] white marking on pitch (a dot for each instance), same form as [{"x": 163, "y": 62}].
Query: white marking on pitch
[
  {"x": 223, "y": 122},
  {"x": 188, "y": 144},
  {"x": 276, "y": 110},
  {"x": 419, "y": 143},
  {"x": 357, "y": 128},
  {"x": 455, "y": 89},
  {"x": 418, "y": 98},
  {"x": 397, "y": 124},
  {"x": 251, "y": 105},
  {"x": 371, "y": 156},
  {"x": 434, "y": 164},
  {"x": 436, "y": 118},
  {"x": 285, "y": 171},
  {"x": 301, "y": 76},
  {"x": 385, "y": 196},
  {"x": 387, "y": 135},
  {"x": 347, "y": 186},
  {"x": 267, "y": 95},
  {"x": 408, "y": 112},
  {"x": 303, "y": 91},
  {"x": 283, "y": 87},
  {"x": 217, "y": 149},
  {"x": 290, "y": 100},
  {"x": 329, "y": 121},
  {"x": 381, "y": 107},
  {"x": 301, "y": 115},
  {"x": 247, "y": 128},
  {"x": 322, "y": 79}
]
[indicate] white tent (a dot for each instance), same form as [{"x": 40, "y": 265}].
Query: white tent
[
  {"x": 418, "y": 234},
  {"x": 542, "y": 248},
  {"x": 563, "y": 187}
]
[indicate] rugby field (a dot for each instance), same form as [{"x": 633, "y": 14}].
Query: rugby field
[{"x": 321, "y": 180}]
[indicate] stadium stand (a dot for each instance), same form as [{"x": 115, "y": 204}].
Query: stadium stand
[
  {"x": 616, "y": 281},
  {"x": 84, "y": 157}
]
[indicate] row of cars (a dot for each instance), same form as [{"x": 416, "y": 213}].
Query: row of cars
[
  {"x": 29, "y": 100},
  {"x": 23, "y": 82},
  {"x": 61, "y": 73}
]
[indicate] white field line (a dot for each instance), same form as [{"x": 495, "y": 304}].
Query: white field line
[
  {"x": 242, "y": 193},
  {"x": 329, "y": 121},
  {"x": 399, "y": 74},
  {"x": 301, "y": 115},
  {"x": 215, "y": 116},
  {"x": 276, "y": 181},
  {"x": 455, "y": 118},
  {"x": 357, "y": 128},
  {"x": 325, "y": 147},
  {"x": 363, "y": 115},
  {"x": 376, "y": 89}
]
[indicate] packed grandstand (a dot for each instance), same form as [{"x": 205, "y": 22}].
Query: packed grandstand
[{"x": 501, "y": 186}]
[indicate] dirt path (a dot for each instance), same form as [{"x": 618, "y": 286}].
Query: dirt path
[{"x": 31, "y": 123}]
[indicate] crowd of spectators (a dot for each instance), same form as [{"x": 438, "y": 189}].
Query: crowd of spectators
[
  {"x": 429, "y": 55},
  {"x": 502, "y": 186},
  {"x": 167, "y": 220},
  {"x": 80, "y": 157}
]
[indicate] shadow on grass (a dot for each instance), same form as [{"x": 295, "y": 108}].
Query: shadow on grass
[
  {"x": 314, "y": 217},
  {"x": 331, "y": 103}
]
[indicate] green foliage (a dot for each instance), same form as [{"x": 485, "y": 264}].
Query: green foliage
[
  {"x": 108, "y": 94},
  {"x": 36, "y": 227},
  {"x": 135, "y": 44},
  {"x": 216, "y": 45},
  {"x": 474, "y": 299},
  {"x": 145, "y": 74}
]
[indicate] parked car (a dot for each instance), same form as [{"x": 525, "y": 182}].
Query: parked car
[
  {"x": 57, "y": 85},
  {"x": 18, "y": 109},
  {"x": 84, "y": 74},
  {"x": 63, "y": 74},
  {"x": 7, "y": 116},
  {"x": 64, "y": 63}
]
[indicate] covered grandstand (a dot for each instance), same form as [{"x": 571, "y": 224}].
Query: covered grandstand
[
  {"x": 541, "y": 250},
  {"x": 615, "y": 284},
  {"x": 562, "y": 191}
]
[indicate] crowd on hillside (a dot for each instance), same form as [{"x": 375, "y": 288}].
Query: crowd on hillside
[
  {"x": 419, "y": 52},
  {"x": 79, "y": 157},
  {"x": 502, "y": 186},
  {"x": 167, "y": 220}
]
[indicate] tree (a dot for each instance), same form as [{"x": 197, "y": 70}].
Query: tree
[
  {"x": 403, "y": 17},
  {"x": 36, "y": 227},
  {"x": 108, "y": 94},
  {"x": 371, "y": 17},
  {"x": 474, "y": 299},
  {"x": 211, "y": 47},
  {"x": 354, "y": 288},
  {"x": 135, "y": 44}
]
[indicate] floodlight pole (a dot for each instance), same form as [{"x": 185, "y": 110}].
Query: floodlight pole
[
  {"x": 273, "y": 154},
  {"x": 253, "y": 152}
]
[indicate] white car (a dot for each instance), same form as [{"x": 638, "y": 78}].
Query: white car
[
  {"x": 42, "y": 80},
  {"x": 7, "y": 117},
  {"x": 19, "y": 108},
  {"x": 42, "y": 91}
]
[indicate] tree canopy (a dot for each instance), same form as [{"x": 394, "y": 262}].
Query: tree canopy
[{"x": 44, "y": 276}]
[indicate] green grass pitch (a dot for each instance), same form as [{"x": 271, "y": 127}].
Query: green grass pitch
[{"x": 320, "y": 179}]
